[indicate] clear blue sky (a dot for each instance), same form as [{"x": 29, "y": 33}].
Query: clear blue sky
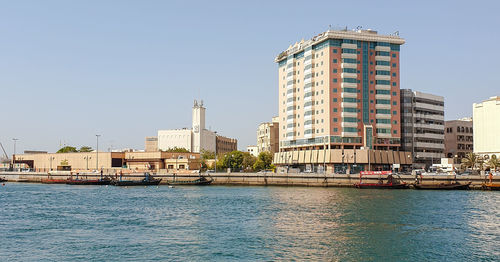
[{"x": 124, "y": 69}]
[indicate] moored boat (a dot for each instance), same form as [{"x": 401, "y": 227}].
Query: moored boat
[
  {"x": 443, "y": 186},
  {"x": 53, "y": 181},
  {"x": 148, "y": 180},
  {"x": 202, "y": 181},
  {"x": 390, "y": 184},
  {"x": 491, "y": 186},
  {"x": 88, "y": 181},
  {"x": 3, "y": 180}
]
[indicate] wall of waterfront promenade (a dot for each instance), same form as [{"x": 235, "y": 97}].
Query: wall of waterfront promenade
[{"x": 266, "y": 179}]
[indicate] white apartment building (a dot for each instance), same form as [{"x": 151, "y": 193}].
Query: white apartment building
[
  {"x": 422, "y": 125},
  {"x": 486, "y": 124}
]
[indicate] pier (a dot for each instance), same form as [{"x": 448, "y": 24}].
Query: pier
[{"x": 266, "y": 179}]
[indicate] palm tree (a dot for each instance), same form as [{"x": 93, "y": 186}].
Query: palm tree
[
  {"x": 470, "y": 160},
  {"x": 493, "y": 163}
]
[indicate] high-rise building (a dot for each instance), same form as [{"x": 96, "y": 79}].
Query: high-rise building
[
  {"x": 458, "y": 138},
  {"x": 422, "y": 127},
  {"x": 486, "y": 119},
  {"x": 267, "y": 136},
  {"x": 340, "y": 90}
]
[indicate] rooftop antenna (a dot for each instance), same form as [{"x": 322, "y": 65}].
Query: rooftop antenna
[
  {"x": 396, "y": 33},
  {"x": 358, "y": 27}
]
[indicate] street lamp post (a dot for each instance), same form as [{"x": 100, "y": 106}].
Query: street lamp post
[
  {"x": 97, "y": 153},
  {"x": 14, "y": 155},
  {"x": 215, "y": 164}
]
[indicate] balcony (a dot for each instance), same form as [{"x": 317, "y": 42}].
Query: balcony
[
  {"x": 429, "y": 117},
  {"x": 349, "y": 124},
  {"x": 383, "y": 87},
  {"x": 380, "y": 125},
  {"x": 436, "y": 108},
  {"x": 381, "y": 106},
  {"x": 349, "y": 114},
  {"x": 382, "y": 58},
  {"x": 350, "y": 95},
  {"x": 382, "y": 68},
  {"x": 380, "y": 96},
  {"x": 384, "y": 135},
  {"x": 351, "y": 105},
  {"x": 346, "y": 55},
  {"x": 383, "y": 116},
  {"x": 349, "y": 75},
  {"x": 349, "y": 46},
  {"x": 350, "y": 85},
  {"x": 430, "y": 136},
  {"x": 348, "y": 65},
  {"x": 349, "y": 134},
  {"x": 423, "y": 145},
  {"x": 383, "y": 48},
  {"x": 429, "y": 126},
  {"x": 382, "y": 77}
]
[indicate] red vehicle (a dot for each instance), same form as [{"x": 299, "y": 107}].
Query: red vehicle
[{"x": 388, "y": 183}]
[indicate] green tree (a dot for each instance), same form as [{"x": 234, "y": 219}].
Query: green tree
[
  {"x": 85, "y": 149},
  {"x": 205, "y": 154},
  {"x": 264, "y": 161},
  {"x": 233, "y": 160},
  {"x": 67, "y": 149},
  {"x": 471, "y": 160},
  {"x": 248, "y": 161},
  {"x": 177, "y": 150},
  {"x": 493, "y": 163}
]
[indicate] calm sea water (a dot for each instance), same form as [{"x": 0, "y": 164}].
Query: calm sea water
[{"x": 216, "y": 223}]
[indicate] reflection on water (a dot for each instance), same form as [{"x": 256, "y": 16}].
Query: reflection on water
[{"x": 59, "y": 222}]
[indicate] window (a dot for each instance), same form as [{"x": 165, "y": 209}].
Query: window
[
  {"x": 334, "y": 61},
  {"x": 384, "y": 73},
  {"x": 335, "y": 70},
  {"x": 394, "y": 112},
  {"x": 349, "y": 60},
  {"x": 334, "y": 51},
  {"x": 383, "y": 101},
  {"x": 383, "y": 82},
  {"x": 349, "y": 70},
  {"x": 335, "y": 100},
  {"x": 394, "y": 93},
  {"x": 335, "y": 110},
  {"x": 335, "y": 80},
  {"x": 393, "y": 64},
  {"x": 383, "y": 92},
  {"x": 394, "y": 74},
  {"x": 382, "y": 53},
  {"x": 393, "y": 83},
  {"x": 348, "y": 51},
  {"x": 394, "y": 103},
  {"x": 383, "y": 63},
  {"x": 393, "y": 55},
  {"x": 335, "y": 90},
  {"x": 335, "y": 120},
  {"x": 394, "y": 132},
  {"x": 335, "y": 129}
]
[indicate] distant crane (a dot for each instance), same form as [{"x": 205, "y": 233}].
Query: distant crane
[{"x": 6, "y": 159}]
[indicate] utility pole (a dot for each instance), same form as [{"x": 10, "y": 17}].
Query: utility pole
[
  {"x": 215, "y": 164},
  {"x": 97, "y": 153},
  {"x": 14, "y": 155}
]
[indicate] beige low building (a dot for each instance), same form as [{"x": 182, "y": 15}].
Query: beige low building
[
  {"x": 111, "y": 161},
  {"x": 458, "y": 138},
  {"x": 350, "y": 160},
  {"x": 268, "y": 136}
]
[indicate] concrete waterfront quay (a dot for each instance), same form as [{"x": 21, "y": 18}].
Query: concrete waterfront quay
[{"x": 265, "y": 179}]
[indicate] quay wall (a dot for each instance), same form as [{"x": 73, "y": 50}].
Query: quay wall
[{"x": 263, "y": 179}]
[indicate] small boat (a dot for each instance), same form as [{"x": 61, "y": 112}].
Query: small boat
[
  {"x": 443, "y": 186},
  {"x": 3, "y": 180},
  {"x": 491, "y": 186},
  {"x": 54, "y": 181},
  {"x": 88, "y": 181},
  {"x": 202, "y": 181},
  {"x": 382, "y": 185},
  {"x": 390, "y": 184},
  {"x": 148, "y": 180}
]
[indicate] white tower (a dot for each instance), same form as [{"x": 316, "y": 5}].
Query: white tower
[{"x": 198, "y": 125}]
